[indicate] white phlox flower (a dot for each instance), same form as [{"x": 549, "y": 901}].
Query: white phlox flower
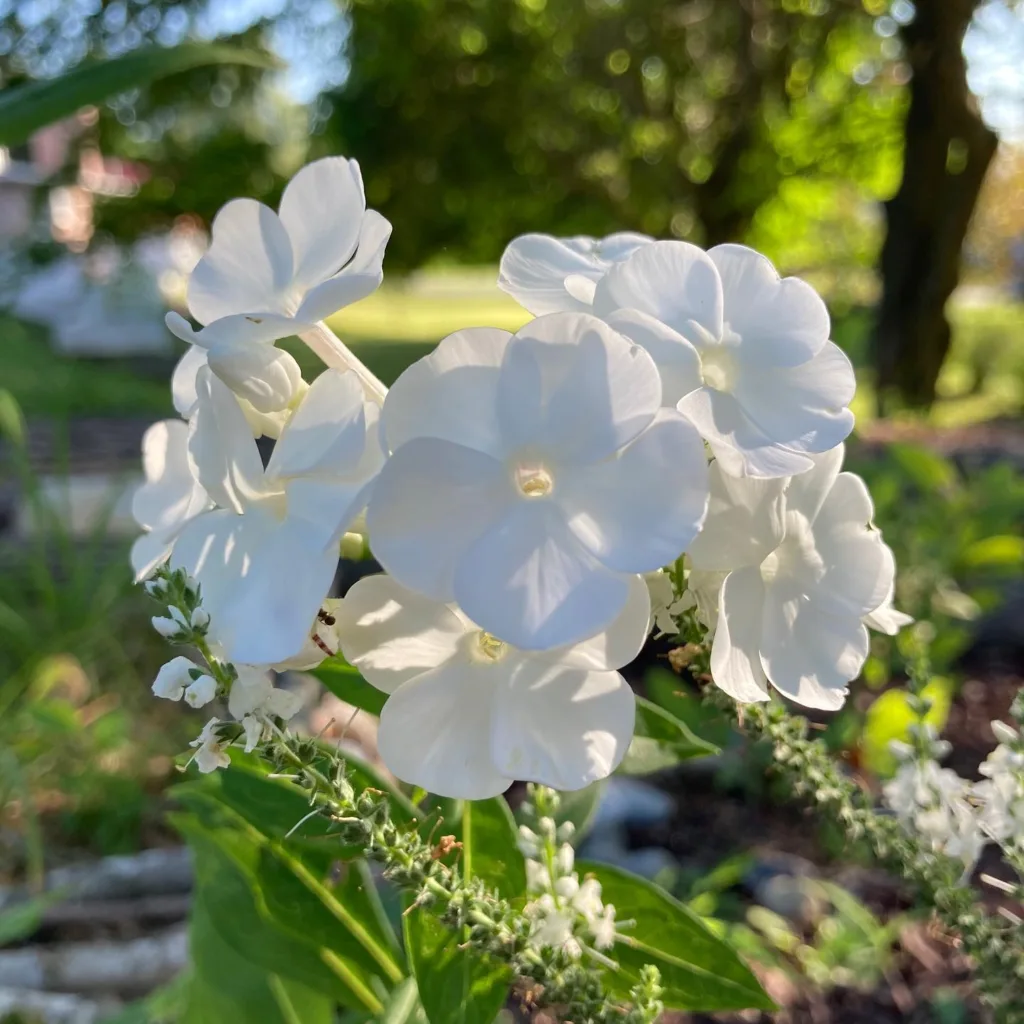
[
  {"x": 744, "y": 354},
  {"x": 169, "y": 498},
  {"x": 211, "y": 752},
  {"x": 531, "y": 475},
  {"x": 267, "y": 555},
  {"x": 269, "y": 275},
  {"x": 545, "y": 274},
  {"x": 803, "y": 569},
  {"x": 468, "y": 714},
  {"x": 254, "y": 698}
]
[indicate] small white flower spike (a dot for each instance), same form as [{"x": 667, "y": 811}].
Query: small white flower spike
[
  {"x": 531, "y": 474},
  {"x": 468, "y": 713}
]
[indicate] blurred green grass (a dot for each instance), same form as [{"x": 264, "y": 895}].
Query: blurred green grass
[{"x": 983, "y": 377}]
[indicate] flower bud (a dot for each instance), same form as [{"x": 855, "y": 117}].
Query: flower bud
[
  {"x": 201, "y": 691},
  {"x": 156, "y": 588},
  {"x": 1004, "y": 733},
  {"x": 200, "y": 619},
  {"x": 172, "y": 679},
  {"x": 263, "y": 375},
  {"x": 168, "y": 628}
]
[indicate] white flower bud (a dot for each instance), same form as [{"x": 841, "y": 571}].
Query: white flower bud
[
  {"x": 564, "y": 859},
  {"x": 156, "y": 588},
  {"x": 565, "y": 831},
  {"x": 168, "y": 628},
  {"x": 1004, "y": 733},
  {"x": 178, "y": 615},
  {"x": 172, "y": 679},
  {"x": 527, "y": 842},
  {"x": 201, "y": 691},
  {"x": 200, "y": 619}
]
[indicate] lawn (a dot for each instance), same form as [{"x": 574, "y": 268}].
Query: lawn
[{"x": 983, "y": 377}]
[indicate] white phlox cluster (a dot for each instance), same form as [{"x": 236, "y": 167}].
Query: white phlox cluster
[{"x": 516, "y": 488}]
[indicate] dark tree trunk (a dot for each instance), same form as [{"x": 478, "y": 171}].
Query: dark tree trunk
[{"x": 947, "y": 149}]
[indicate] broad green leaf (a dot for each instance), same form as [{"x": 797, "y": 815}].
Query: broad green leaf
[
  {"x": 228, "y": 987},
  {"x": 348, "y": 685},
  {"x": 489, "y": 847},
  {"x": 456, "y": 986},
  {"x": 404, "y": 1006},
  {"x": 1001, "y": 550},
  {"x": 346, "y": 926},
  {"x": 236, "y": 900},
  {"x": 669, "y": 691},
  {"x": 698, "y": 970},
  {"x": 890, "y": 718},
  {"x": 660, "y": 740},
  {"x": 26, "y": 108}
]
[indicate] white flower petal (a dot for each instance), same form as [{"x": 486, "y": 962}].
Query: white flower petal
[
  {"x": 618, "y": 644},
  {"x": 802, "y": 407},
  {"x": 321, "y": 209},
  {"x": 361, "y": 277},
  {"x": 809, "y": 655},
  {"x": 171, "y": 494},
  {"x": 741, "y": 448},
  {"x": 640, "y": 509},
  {"x": 745, "y": 522},
  {"x": 327, "y": 433},
  {"x": 253, "y": 328},
  {"x": 247, "y": 267},
  {"x": 677, "y": 360},
  {"x": 573, "y": 389},
  {"x": 431, "y": 502},
  {"x": 324, "y": 506},
  {"x": 674, "y": 282},
  {"x": 221, "y": 447},
  {"x": 783, "y": 321},
  {"x": 435, "y": 731},
  {"x": 885, "y": 618},
  {"x": 249, "y": 692},
  {"x": 450, "y": 393},
  {"x": 392, "y": 634},
  {"x": 806, "y": 492},
  {"x": 183, "y": 380},
  {"x": 261, "y": 374},
  {"x": 534, "y": 269},
  {"x": 529, "y": 581},
  {"x": 735, "y": 653},
  {"x": 561, "y": 727},
  {"x": 149, "y": 551}
]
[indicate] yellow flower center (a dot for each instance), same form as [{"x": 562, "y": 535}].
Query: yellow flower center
[
  {"x": 490, "y": 647},
  {"x": 718, "y": 367},
  {"x": 533, "y": 481}
]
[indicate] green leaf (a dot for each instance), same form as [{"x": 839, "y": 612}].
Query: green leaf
[
  {"x": 27, "y": 108},
  {"x": 931, "y": 472},
  {"x": 489, "y": 847},
  {"x": 698, "y": 970},
  {"x": 404, "y": 1006},
  {"x": 660, "y": 740},
  {"x": 1000, "y": 550},
  {"x": 22, "y": 920},
  {"x": 348, "y": 685},
  {"x": 890, "y": 718},
  {"x": 456, "y": 986},
  {"x": 228, "y": 987},
  {"x": 238, "y": 912}
]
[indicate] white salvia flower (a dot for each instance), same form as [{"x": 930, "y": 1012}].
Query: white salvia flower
[
  {"x": 211, "y": 753},
  {"x": 253, "y": 728},
  {"x": 803, "y": 568},
  {"x": 743, "y": 353},
  {"x": 558, "y": 275},
  {"x": 168, "y": 628},
  {"x": 201, "y": 691},
  {"x": 269, "y": 275},
  {"x": 531, "y": 475},
  {"x": 553, "y": 925},
  {"x": 169, "y": 498},
  {"x": 267, "y": 555},
  {"x": 602, "y": 928},
  {"x": 254, "y": 694},
  {"x": 172, "y": 678},
  {"x": 468, "y": 713},
  {"x": 1001, "y": 792}
]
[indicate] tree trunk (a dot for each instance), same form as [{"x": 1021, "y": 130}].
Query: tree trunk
[{"x": 947, "y": 149}]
